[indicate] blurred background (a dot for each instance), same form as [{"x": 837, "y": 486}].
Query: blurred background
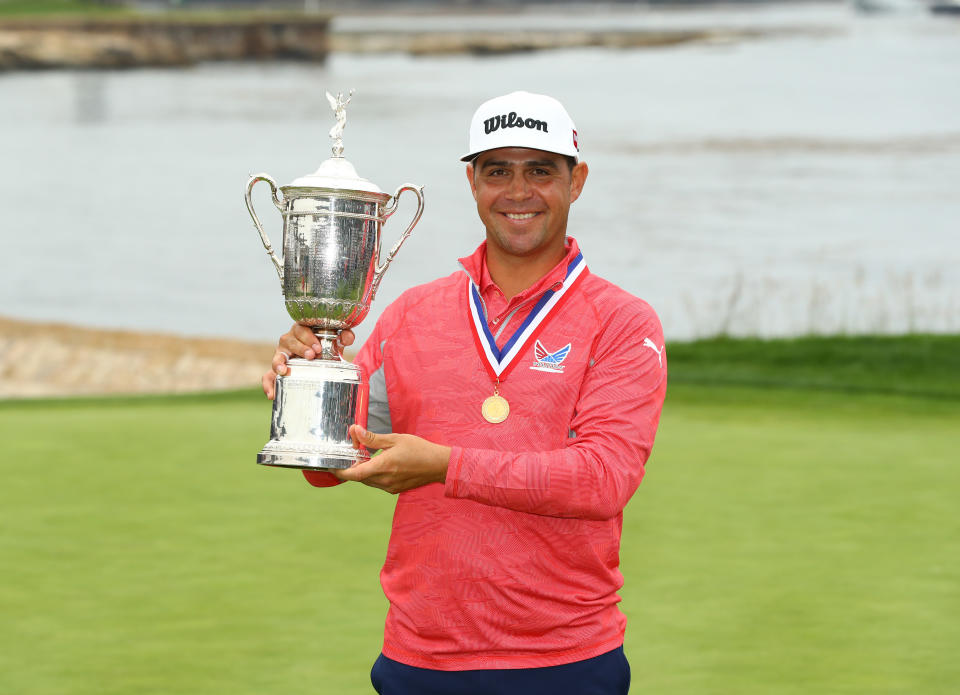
[
  {"x": 778, "y": 179},
  {"x": 769, "y": 169}
]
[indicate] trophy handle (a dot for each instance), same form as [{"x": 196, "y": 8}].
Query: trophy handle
[
  {"x": 278, "y": 201},
  {"x": 390, "y": 209}
]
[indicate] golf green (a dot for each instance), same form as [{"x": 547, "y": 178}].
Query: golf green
[{"x": 794, "y": 539}]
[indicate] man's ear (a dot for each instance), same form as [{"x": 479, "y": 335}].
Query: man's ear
[
  {"x": 578, "y": 177},
  {"x": 473, "y": 185}
]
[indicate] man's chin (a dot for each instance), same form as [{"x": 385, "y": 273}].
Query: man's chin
[{"x": 521, "y": 245}]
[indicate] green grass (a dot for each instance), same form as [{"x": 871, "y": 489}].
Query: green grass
[
  {"x": 786, "y": 540},
  {"x": 927, "y": 365},
  {"x": 143, "y": 552},
  {"x": 791, "y": 543}
]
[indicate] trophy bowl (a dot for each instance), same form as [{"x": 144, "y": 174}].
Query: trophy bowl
[{"x": 331, "y": 247}]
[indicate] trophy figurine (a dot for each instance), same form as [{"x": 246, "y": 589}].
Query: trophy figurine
[{"x": 330, "y": 273}]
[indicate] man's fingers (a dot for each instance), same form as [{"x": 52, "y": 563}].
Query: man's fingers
[
  {"x": 304, "y": 336},
  {"x": 295, "y": 347},
  {"x": 269, "y": 382},
  {"x": 354, "y": 436},
  {"x": 371, "y": 473},
  {"x": 358, "y": 472},
  {"x": 343, "y": 339},
  {"x": 372, "y": 441},
  {"x": 280, "y": 358},
  {"x": 345, "y": 474},
  {"x": 299, "y": 341},
  {"x": 303, "y": 333}
]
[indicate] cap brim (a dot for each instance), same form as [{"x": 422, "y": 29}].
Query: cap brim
[{"x": 470, "y": 157}]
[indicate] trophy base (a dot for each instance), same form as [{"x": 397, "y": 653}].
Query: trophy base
[
  {"x": 315, "y": 404},
  {"x": 308, "y": 460}
]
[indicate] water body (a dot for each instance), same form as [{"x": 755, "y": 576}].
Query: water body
[{"x": 787, "y": 185}]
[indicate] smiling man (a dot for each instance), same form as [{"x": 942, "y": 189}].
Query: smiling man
[{"x": 518, "y": 400}]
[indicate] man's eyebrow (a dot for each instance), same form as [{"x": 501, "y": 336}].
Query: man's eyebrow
[{"x": 546, "y": 163}]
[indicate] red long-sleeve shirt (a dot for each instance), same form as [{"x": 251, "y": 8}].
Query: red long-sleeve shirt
[{"x": 514, "y": 562}]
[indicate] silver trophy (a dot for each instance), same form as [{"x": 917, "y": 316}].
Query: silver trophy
[{"x": 330, "y": 273}]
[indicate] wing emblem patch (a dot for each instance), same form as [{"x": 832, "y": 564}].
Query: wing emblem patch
[{"x": 546, "y": 361}]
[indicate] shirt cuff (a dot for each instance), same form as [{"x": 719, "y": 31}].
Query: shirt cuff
[
  {"x": 452, "y": 485},
  {"x": 321, "y": 478}
]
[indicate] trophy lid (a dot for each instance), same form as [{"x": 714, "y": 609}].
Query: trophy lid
[{"x": 337, "y": 172}]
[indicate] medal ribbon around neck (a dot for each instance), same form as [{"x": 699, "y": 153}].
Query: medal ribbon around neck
[{"x": 499, "y": 362}]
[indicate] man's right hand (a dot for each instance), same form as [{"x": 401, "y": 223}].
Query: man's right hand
[{"x": 299, "y": 341}]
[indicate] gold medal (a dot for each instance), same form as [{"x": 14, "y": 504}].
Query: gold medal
[{"x": 495, "y": 409}]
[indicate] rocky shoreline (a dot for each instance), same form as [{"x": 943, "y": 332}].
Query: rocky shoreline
[
  {"x": 142, "y": 42},
  {"x": 53, "y": 360},
  {"x": 147, "y": 42},
  {"x": 431, "y": 43}
]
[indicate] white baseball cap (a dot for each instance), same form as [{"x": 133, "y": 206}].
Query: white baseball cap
[{"x": 522, "y": 119}]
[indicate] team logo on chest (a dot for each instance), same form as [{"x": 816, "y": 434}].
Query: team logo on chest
[{"x": 546, "y": 361}]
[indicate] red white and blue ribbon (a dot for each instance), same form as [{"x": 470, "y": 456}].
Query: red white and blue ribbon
[{"x": 499, "y": 361}]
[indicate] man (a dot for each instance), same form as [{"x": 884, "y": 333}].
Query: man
[{"x": 521, "y": 397}]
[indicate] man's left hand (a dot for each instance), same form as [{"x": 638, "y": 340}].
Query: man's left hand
[{"x": 405, "y": 462}]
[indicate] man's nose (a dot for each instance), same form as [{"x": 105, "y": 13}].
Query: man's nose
[{"x": 518, "y": 190}]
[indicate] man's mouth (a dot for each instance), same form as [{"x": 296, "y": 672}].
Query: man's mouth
[{"x": 520, "y": 215}]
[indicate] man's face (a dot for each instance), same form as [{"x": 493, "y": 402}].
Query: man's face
[{"x": 523, "y": 197}]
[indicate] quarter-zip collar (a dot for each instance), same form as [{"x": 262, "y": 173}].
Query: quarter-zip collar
[{"x": 475, "y": 265}]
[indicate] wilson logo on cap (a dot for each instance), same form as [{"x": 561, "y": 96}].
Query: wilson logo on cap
[{"x": 512, "y": 120}]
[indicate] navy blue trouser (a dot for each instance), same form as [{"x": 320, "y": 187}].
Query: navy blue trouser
[{"x": 607, "y": 674}]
